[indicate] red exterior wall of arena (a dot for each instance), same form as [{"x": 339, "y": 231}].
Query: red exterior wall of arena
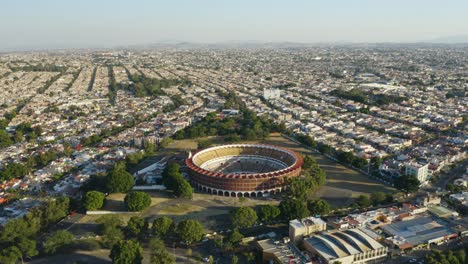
[{"x": 207, "y": 180}]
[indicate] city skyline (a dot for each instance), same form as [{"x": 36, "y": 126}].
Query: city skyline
[{"x": 56, "y": 24}]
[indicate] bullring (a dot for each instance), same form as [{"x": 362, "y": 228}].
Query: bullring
[{"x": 251, "y": 170}]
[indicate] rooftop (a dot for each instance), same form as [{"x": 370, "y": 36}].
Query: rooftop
[{"x": 338, "y": 244}]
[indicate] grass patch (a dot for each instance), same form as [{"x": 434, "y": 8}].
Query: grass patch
[{"x": 180, "y": 209}]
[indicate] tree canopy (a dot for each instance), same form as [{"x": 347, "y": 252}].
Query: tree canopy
[
  {"x": 173, "y": 180},
  {"x": 318, "y": 207},
  {"x": 93, "y": 200},
  {"x": 119, "y": 180},
  {"x": 243, "y": 217},
  {"x": 58, "y": 241},
  {"x": 407, "y": 183},
  {"x": 162, "y": 226},
  {"x": 363, "y": 201},
  {"x": 267, "y": 213},
  {"x": 13, "y": 170},
  {"x": 126, "y": 252},
  {"x": 160, "y": 254},
  {"x": 110, "y": 226},
  {"x": 136, "y": 225},
  {"x": 292, "y": 208},
  {"x": 190, "y": 231},
  {"x": 137, "y": 201}
]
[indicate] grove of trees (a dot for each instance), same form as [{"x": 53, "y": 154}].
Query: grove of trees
[
  {"x": 18, "y": 236},
  {"x": 173, "y": 180},
  {"x": 246, "y": 126}
]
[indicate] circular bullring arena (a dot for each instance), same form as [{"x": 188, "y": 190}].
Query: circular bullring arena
[{"x": 247, "y": 170}]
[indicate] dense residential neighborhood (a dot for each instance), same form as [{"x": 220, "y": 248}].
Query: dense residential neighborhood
[{"x": 395, "y": 116}]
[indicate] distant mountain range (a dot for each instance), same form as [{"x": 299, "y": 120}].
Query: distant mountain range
[{"x": 457, "y": 39}]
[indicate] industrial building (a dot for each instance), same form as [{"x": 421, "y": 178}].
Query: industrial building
[
  {"x": 348, "y": 247},
  {"x": 417, "y": 233}
]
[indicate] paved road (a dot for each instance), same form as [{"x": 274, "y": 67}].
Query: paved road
[{"x": 450, "y": 176}]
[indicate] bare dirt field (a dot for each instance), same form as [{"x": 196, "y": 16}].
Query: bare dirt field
[
  {"x": 212, "y": 211},
  {"x": 343, "y": 183}
]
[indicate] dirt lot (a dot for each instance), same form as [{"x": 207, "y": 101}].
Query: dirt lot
[
  {"x": 343, "y": 183},
  {"x": 212, "y": 211}
]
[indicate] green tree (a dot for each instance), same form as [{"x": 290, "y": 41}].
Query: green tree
[
  {"x": 324, "y": 149},
  {"x": 235, "y": 237},
  {"x": 5, "y": 139},
  {"x": 293, "y": 209},
  {"x": 160, "y": 254},
  {"x": 190, "y": 231},
  {"x": 165, "y": 142},
  {"x": 110, "y": 228},
  {"x": 363, "y": 201},
  {"x": 27, "y": 247},
  {"x": 119, "y": 180},
  {"x": 10, "y": 255},
  {"x": 13, "y": 170},
  {"x": 301, "y": 187},
  {"x": 182, "y": 188},
  {"x": 267, "y": 213},
  {"x": 137, "y": 201},
  {"x": 309, "y": 161},
  {"x": 162, "y": 226},
  {"x": 318, "y": 207},
  {"x": 58, "y": 241},
  {"x": 126, "y": 252},
  {"x": 55, "y": 210},
  {"x": 17, "y": 229},
  {"x": 243, "y": 217},
  {"x": 359, "y": 162},
  {"x": 307, "y": 140},
  {"x": 378, "y": 198},
  {"x": 173, "y": 180},
  {"x": 136, "y": 225},
  {"x": 345, "y": 157},
  {"x": 150, "y": 148},
  {"x": 93, "y": 200},
  {"x": 407, "y": 183}
]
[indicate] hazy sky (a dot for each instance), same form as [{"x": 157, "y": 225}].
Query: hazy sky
[{"x": 91, "y": 23}]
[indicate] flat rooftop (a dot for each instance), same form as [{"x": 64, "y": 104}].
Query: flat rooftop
[
  {"x": 419, "y": 230},
  {"x": 309, "y": 221}
]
